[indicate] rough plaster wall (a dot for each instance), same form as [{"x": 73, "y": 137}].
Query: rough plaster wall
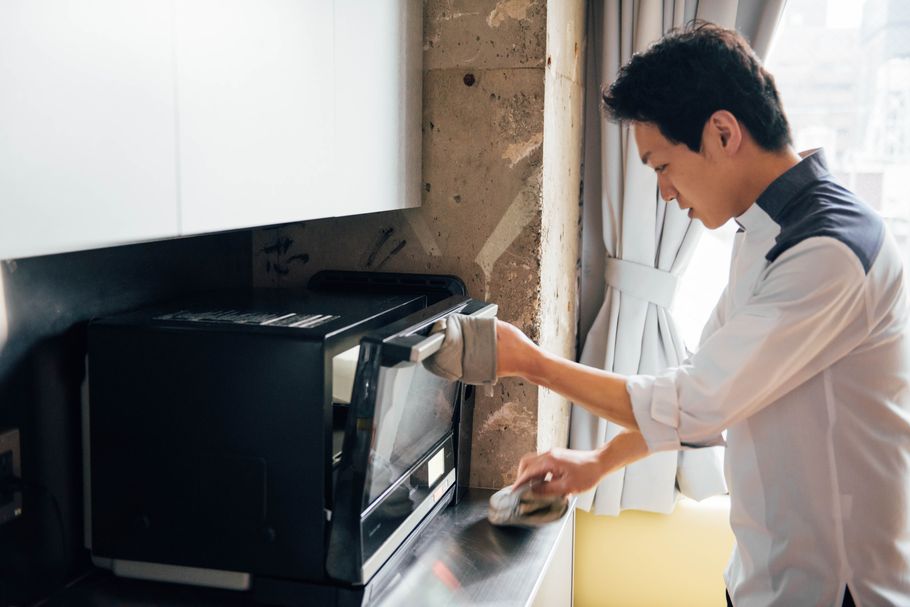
[
  {"x": 560, "y": 237},
  {"x": 483, "y": 198}
]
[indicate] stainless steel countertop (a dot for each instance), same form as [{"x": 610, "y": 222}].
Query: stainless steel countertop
[
  {"x": 462, "y": 559},
  {"x": 459, "y": 559}
]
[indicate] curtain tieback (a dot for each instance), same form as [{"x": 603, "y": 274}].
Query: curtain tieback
[{"x": 641, "y": 281}]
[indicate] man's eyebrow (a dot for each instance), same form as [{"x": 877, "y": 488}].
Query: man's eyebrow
[{"x": 644, "y": 159}]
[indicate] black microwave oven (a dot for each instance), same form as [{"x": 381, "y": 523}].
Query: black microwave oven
[{"x": 288, "y": 443}]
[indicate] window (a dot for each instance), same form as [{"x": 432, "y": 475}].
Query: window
[
  {"x": 703, "y": 282},
  {"x": 843, "y": 71}
]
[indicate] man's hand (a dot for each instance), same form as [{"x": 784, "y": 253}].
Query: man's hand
[{"x": 573, "y": 471}]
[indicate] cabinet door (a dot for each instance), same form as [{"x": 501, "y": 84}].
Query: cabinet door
[
  {"x": 87, "y": 124},
  {"x": 378, "y": 101},
  {"x": 256, "y": 111}
]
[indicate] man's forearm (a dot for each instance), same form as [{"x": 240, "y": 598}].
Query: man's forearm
[
  {"x": 626, "y": 448},
  {"x": 600, "y": 392}
]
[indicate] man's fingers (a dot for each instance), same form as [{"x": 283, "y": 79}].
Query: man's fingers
[
  {"x": 523, "y": 464},
  {"x": 557, "y": 486},
  {"x": 533, "y": 467},
  {"x": 526, "y": 459},
  {"x": 525, "y": 469}
]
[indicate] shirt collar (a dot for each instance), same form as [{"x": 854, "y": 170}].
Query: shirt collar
[
  {"x": 753, "y": 219},
  {"x": 785, "y": 188}
]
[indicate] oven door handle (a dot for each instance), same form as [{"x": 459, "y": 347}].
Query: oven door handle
[{"x": 421, "y": 348}]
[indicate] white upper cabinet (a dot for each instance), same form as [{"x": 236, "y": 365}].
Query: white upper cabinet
[
  {"x": 296, "y": 109},
  {"x": 129, "y": 120},
  {"x": 254, "y": 82},
  {"x": 378, "y": 105},
  {"x": 87, "y": 131}
]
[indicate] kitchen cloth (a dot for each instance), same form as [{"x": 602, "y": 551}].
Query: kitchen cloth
[
  {"x": 521, "y": 507},
  {"x": 468, "y": 352}
]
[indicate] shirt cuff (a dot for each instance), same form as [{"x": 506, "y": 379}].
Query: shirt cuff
[{"x": 656, "y": 410}]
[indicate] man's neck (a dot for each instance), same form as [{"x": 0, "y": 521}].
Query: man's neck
[{"x": 761, "y": 170}]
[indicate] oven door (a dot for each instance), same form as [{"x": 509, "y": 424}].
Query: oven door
[{"x": 398, "y": 458}]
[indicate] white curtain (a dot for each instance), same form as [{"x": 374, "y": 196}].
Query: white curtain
[{"x": 636, "y": 246}]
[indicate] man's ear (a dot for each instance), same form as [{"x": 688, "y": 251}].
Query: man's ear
[{"x": 726, "y": 130}]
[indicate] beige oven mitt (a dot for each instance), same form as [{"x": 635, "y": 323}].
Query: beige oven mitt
[
  {"x": 468, "y": 352},
  {"x": 521, "y": 507}
]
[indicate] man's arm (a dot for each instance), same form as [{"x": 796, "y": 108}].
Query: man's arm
[
  {"x": 808, "y": 311},
  {"x": 600, "y": 392}
]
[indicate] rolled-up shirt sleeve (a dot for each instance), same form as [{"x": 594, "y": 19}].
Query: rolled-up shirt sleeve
[
  {"x": 807, "y": 311},
  {"x": 656, "y": 410}
]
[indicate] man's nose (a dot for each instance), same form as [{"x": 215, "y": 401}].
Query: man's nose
[{"x": 667, "y": 191}]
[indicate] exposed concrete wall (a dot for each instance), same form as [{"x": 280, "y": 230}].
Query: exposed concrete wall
[
  {"x": 493, "y": 212},
  {"x": 561, "y": 212}
]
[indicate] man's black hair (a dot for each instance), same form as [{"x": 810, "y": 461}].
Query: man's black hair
[{"x": 691, "y": 73}]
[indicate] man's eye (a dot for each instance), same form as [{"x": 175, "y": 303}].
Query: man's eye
[{"x": 660, "y": 169}]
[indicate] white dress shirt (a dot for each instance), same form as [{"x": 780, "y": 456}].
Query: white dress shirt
[{"x": 806, "y": 363}]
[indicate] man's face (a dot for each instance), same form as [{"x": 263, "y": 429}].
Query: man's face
[{"x": 696, "y": 180}]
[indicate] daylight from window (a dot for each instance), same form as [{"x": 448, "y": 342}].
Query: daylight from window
[{"x": 843, "y": 70}]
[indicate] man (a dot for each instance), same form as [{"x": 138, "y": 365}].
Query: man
[{"x": 805, "y": 361}]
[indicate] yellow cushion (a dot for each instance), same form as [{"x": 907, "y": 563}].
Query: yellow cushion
[{"x": 648, "y": 560}]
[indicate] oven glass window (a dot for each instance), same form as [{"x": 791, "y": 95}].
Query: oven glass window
[{"x": 414, "y": 411}]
